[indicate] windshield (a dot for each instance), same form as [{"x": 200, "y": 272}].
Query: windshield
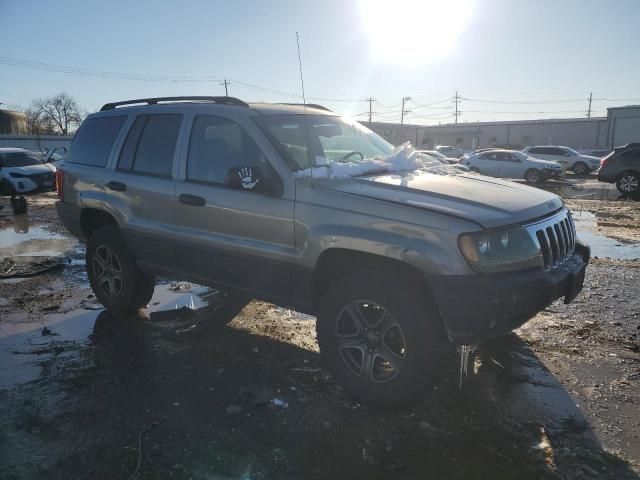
[
  {"x": 434, "y": 153},
  {"x": 329, "y": 140},
  {"x": 520, "y": 155},
  {"x": 571, "y": 152},
  {"x": 18, "y": 159}
]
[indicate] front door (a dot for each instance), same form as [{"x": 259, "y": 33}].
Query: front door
[{"x": 231, "y": 233}]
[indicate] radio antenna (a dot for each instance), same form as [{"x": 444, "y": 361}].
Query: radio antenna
[
  {"x": 304, "y": 99},
  {"x": 312, "y": 161}
]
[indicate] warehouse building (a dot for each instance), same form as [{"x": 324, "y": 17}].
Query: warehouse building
[
  {"x": 12, "y": 122},
  {"x": 619, "y": 127}
]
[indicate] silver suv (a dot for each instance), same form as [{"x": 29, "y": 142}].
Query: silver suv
[{"x": 297, "y": 206}]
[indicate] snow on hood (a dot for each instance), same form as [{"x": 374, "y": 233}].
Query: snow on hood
[{"x": 404, "y": 158}]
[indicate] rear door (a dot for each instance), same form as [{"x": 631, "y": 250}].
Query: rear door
[
  {"x": 143, "y": 186},
  {"x": 233, "y": 235}
]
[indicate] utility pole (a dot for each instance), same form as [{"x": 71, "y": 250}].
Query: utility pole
[
  {"x": 226, "y": 84},
  {"x": 370, "y": 100},
  {"x": 403, "y": 111},
  {"x": 457, "y": 100},
  {"x": 589, "y": 109}
]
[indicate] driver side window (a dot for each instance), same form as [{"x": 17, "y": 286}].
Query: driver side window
[{"x": 217, "y": 145}]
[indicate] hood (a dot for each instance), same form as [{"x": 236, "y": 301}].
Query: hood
[
  {"x": 591, "y": 159},
  {"x": 30, "y": 169},
  {"x": 486, "y": 201},
  {"x": 548, "y": 163}
]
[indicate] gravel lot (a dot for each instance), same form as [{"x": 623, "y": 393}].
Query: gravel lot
[{"x": 167, "y": 395}]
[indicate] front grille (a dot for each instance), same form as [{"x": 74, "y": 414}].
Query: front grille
[{"x": 556, "y": 237}]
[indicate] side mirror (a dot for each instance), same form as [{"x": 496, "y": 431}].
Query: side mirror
[{"x": 253, "y": 179}]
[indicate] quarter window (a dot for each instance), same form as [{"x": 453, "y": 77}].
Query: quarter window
[
  {"x": 94, "y": 140},
  {"x": 217, "y": 145}
]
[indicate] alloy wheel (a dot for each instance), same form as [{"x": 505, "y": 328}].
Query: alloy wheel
[
  {"x": 629, "y": 183},
  {"x": 370, "y": 342},
  {"x": 107, "y": 271}
]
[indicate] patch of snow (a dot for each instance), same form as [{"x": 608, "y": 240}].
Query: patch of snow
[{"x": 404, "y": 158}]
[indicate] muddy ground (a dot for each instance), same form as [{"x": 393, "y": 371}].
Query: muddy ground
[{"x": 168, "y": 394}]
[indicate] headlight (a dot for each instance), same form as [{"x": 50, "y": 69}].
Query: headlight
[{"x": 496, "y": 251}]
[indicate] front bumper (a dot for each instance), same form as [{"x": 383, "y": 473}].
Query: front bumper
[
  {"x": 475, "y": 308},
  {"x": 554, "y": 173}
]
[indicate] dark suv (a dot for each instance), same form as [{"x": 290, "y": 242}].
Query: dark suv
[{"x": 622, "y": 167}]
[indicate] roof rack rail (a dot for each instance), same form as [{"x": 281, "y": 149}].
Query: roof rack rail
[
  {"x": 156, "y": 100},
  {"x": 310, "y": 105}
]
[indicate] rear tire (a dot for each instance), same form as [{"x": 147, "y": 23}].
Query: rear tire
[
  {"x": 628, "y": 183},
  {"x": 381, "y": 343},
  {"x": 580, "y": 168},
  {"x": 114, "y": 276},
  {"x": 533, "y": 176}
]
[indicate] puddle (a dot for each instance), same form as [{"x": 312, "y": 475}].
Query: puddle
[
  {"x": 27, "y": 250},
  {"x": 601, "y": 245},
  {"x": 23, "y": 348}
]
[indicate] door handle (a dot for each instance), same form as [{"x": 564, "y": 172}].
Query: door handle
[
  {"x": 118, "y": 186},
  {"x": 193, "y": 200}
]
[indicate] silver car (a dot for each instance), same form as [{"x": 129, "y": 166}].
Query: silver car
[
  {"x": 399, "y": 257},
  {"x": 512, "y": 164}
]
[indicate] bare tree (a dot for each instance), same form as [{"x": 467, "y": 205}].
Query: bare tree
[
  {"x": 60, "y": 112},
  {"x": 35, "y": 122}
]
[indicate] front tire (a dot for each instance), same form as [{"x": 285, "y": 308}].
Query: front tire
[
  {"x": 533, "y": 176},
  {"x": 580, "y": 168},
  {"x": 113, "y": 274},
  {"x": 628, "y": 183},
  {"x": 379, "y": 340}
]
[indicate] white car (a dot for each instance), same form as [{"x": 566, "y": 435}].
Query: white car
[
  {"x": 21, "y": 171},
  {"x": 55, "y": 156},
  {"x": 512, "y": 164},
  {"x": 565, "y": 156}
]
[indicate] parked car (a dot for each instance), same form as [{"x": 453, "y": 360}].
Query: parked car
[
  {"x": 449, "y": 151},
  {"x": 565, "y": 156},
  {"x": 440, "y": 156},
  {"x": 512, "y": 164},
  {"x": 55, "y": 156},
  {"x": 289, "y": 204},
  {"x": 622, "y": 167},
  {"x": 24, "y": 172},
  {"x": 598, "y": 152}
]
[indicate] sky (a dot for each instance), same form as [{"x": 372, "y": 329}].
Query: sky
[{"x": 508, "y": 59}]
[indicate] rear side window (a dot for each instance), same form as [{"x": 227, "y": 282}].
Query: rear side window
[
  {"x": 536, "y": 150},
  {"x": 635, "y": 153},
  {"x": 150, "y": 144},
  {"x": 94, "y": 140}
]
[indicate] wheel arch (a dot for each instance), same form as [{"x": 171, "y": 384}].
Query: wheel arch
[{"x": 92, "y": 218}]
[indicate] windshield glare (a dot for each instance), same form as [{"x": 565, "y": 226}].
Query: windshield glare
[
  {"x": 310, "y": 140},
  {"x": 18, "y": 159},
  {"x": 571, "y": 152}
]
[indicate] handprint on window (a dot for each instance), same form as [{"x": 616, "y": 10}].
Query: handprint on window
[{"x": 246, "y": 176}]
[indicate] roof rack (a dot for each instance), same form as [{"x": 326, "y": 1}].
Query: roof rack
[
  {"x": 156, "y": 100},
  {"x": 310, "y": 105}
]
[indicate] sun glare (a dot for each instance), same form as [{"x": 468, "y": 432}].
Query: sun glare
[{"x": 406, "y": 32}]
